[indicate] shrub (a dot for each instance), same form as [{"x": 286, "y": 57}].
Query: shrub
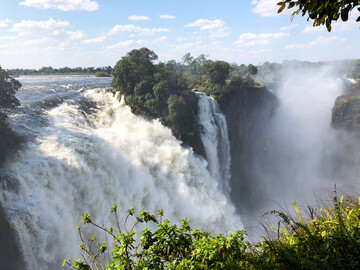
[
  {"x": 325, "y": 238},
  {"x": 168, "y": 247}
]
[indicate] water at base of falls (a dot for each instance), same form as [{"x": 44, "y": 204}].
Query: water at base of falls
[{"x": 87, "y": 151}]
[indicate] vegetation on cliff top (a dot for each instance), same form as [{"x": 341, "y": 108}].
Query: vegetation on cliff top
[
  {"x": 164, "y": 90},
  {"x": 8, "y": 88},
  {"x": 324, "y": 238},
  {"x": 156, "y": 91}
]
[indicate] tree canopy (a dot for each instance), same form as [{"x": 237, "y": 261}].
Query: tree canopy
[
  {"x": 216, "y": 71},
  {"x": 8, "y": 88},
  {"x": 159, "y": 91},
  {"x": 321, "y": 11}
]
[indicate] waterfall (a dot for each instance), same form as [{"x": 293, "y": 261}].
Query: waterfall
[
  {"x": 86, "y": 152},
  {"x": 216, "y": 140}
]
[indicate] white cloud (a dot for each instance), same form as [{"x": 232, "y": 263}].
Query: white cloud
[
  {"x": 287, "y": 28},
  {"x": 252, "y": 39},
  {"x": 7, "y": 38},
  {"x": 140, "y": 42},
  {"x": 34, "y": 42},
  {"x": 258, "y": 51},
  {"x": 318, "y": 42},
  {"x": 167, "y": 17},
  {"x": 219, "y": 33},
  {"x": 130, "y": 28},
  {"x": 138, "y": 18},
  {"x": 186, "y": 46},
  {"x": 95, "y": 40},
  {"x": 311, "y": 29},
  {"x": 5, "y": 23},
  {"x": 49, "y": 27},
  {"x": 122, "y": 44},
  {"x": 151, "y": 42},
  {"x": 266, "y": 8},
  {"x": 65, "y": 5},
  {"x": 205, "y": 24},
  {"x": 262, "y": 36},
  {"x": 216, "y": 28},
  {"x": 76, "y": 35},
  {"x": 64, "y": 45}
]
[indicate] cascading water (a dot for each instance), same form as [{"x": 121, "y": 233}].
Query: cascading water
[
  {"x": 87, "y": 151},
  {"x": 216, "y": 140}
]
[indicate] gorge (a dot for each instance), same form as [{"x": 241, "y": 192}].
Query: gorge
[{"x": 85, "y": 150}]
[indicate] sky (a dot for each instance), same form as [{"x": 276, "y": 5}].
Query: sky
[{"x": 84, "y": 33}]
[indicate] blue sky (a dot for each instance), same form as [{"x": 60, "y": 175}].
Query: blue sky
[{"x": 58, "y": 33}]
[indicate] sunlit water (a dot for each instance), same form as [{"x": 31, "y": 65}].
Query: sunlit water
[{"x": 215, "y": 139}]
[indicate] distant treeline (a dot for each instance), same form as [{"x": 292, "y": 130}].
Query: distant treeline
[{"x": 61, "y": 71}]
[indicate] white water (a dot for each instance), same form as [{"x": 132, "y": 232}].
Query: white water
[
  {"x": 78, "y": 162},
  {"x": 215, "y": 139}
]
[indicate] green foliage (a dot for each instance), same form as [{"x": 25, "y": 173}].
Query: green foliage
[
  {"x": 252, "y": 70},
  {"x": 321, "y": 11},
  {"x": 191, "y": 66},
  {"x": 159, "y": 91},
  {"x": 102, "y": 74},
  {"x": 225, "y": 92},
  {"x": 8, "y": 88},
  {"x": 324, "y": 238},
  {"x": 216, "y": 72},
  {"x": 135, "y": 67},
  {"x": 167, "y": 247}
]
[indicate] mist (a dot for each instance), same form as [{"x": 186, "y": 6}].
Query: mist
[{"x": 301, "y": 157}]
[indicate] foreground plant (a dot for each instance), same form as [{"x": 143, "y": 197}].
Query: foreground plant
[
  {"x": 168, "y": 247},
  {"x": 324, "y": 238}
]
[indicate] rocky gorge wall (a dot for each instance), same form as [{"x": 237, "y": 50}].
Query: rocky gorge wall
[{"x": 248, "y": 116}]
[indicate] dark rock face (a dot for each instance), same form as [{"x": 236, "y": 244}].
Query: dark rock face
[
  {"x": 248, "y": 116},
  {"x": 346, "y": 112},
  {"x": 10, "y": 257}
]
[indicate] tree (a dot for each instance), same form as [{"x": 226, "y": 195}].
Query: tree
[
  {"x": 252, "y": 70},
  {"x": 321, "y": 11},
  {"x": 8, "y": 88},
  {"x": 133, "y": 68},
  {"x": 216, "y": 71}
]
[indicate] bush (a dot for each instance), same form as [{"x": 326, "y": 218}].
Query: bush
[
  {"x": 168, "y": 247},
  {"x": 325, "y": 238},
  {"x": 102, "y": 74}
]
